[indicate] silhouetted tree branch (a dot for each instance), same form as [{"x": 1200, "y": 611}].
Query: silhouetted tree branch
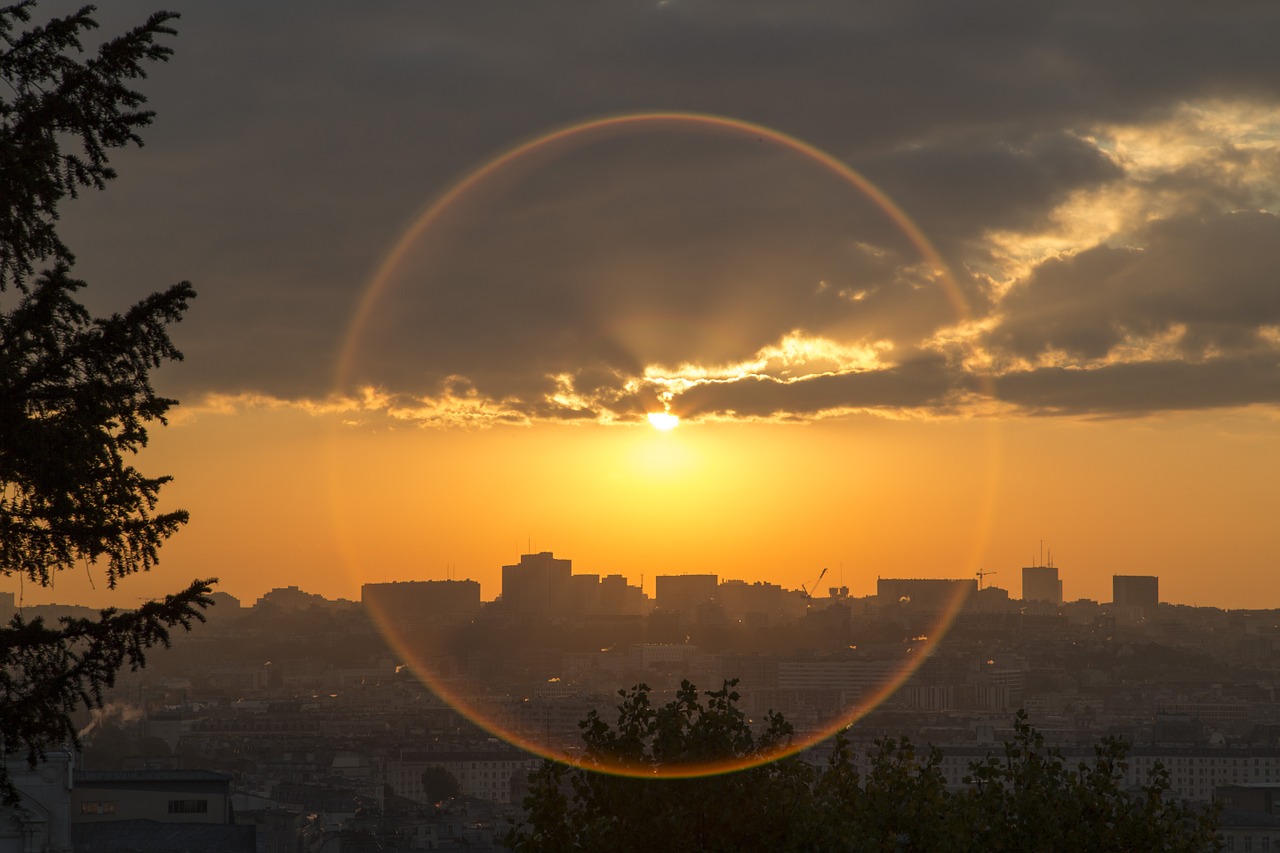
[
  {"x": 75, "y": 390},
  {"x": 1027, "y": 798}
]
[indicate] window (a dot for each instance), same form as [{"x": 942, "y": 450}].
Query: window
[
  {"x": 98, "y": 807},
  {"x": 188, "y": 806}
]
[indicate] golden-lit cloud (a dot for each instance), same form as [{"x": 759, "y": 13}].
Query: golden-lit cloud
[
  {"x": 1100, "y": 181},
  {"x": 1064, "y": 161},
  {"x": 1154, "y": 290},
  {"x": 1215, "y": 153}
]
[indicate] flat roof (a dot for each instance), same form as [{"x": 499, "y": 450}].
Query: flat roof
[{"x": 89, "y": 777}]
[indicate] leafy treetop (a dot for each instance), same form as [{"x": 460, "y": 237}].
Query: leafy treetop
[{"x": 1029, "y": 798}]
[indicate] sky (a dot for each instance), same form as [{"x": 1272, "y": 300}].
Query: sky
[{"x": 932, "y": 287}]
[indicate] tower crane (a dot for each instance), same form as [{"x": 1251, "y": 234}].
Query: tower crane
[
  {"x": 808, "y": 591},
  {"x": 982, "y": 573}
]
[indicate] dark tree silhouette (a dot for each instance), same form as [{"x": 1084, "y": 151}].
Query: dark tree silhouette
[
  {"x": 439, "y": 784},
  {"x": 1026, "y": 798},
  {"x": 580, "y": 809},
  {"x": 75, "y": 390}
]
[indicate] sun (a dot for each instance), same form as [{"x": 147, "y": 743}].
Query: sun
[{"x": 664, "y": 421}]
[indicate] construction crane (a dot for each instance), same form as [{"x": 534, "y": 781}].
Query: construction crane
[
  {"x": 982, "y": 573},
  {"x": 808, "y": 591}
]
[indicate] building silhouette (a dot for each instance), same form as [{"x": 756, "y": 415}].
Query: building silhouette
[
  {"x": 1135, "y": 596},
  {"x": 539, "y": 585},
  {"x": 618, "y": 598},
  {"x": 924, "y": 594},
  {"x": 1041, "y": 583},
  {"x": 684, "y": 594},
  {"x": 422, "y": 604}
]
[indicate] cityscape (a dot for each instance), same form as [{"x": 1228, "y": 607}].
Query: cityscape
[
  {"x": 560, "y": 427},
  {"x": 312, "y": 719}
]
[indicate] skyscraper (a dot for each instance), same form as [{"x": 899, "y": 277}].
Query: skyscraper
[
  {"x": 537, "y": 586},
  {"x": 422, "y": 604},
  {"x": 1141, "y": 591},
  {"x": 684, "y": 593},
  {"x": 1041, "y": 583}
]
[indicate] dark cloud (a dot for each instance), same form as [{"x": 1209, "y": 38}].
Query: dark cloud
[
  {"x": 1217, "y": 277},
  {"x": 668, "y": 247},
  {"x": 1142, "y": 388},
  {"x": 294, "y": 144},
  {"x": 921, "y": 383},
  {"x": 965, "y": 186}
]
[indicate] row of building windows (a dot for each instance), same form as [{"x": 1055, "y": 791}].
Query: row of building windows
[{"x": 104, "y": 807}]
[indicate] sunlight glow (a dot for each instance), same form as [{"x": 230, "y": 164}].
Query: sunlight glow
[{"x": 664, "y": 421}]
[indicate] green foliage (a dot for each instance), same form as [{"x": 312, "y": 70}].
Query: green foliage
[
  {"x": 439, "y": 784},
  {"x": 1043, "y": 804},
  {"x": 1026, "y": 799},
  {"x": 75, "y": 390},
  {"x": 75, "y": 398},
  {"x": 580, "y": 809},
  {"x": 46, "y": 673},
  {"x": 60, "y": 114}
]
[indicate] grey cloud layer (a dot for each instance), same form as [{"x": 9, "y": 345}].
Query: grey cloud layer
[
  {"x": 1217, "y": 277},
  {"x": 294, "y": 143}
]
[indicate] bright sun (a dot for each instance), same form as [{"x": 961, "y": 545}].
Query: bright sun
[{"x": 663, "y": 420}]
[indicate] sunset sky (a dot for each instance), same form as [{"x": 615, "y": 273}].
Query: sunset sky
[{"x": 927, "y": 283}]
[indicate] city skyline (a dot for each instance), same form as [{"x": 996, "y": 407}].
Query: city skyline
[
  {"x": 1031, "y": 585},
  {"x": 922, "y": 288},
  {"x": 824, "y": 392}
]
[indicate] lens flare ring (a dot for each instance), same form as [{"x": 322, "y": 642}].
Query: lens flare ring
[{"x": 586, "y": 131}]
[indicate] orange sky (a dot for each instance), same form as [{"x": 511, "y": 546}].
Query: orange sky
[
  {"x": 281, "y": 498},
  {"x": 923, "y": 303}
]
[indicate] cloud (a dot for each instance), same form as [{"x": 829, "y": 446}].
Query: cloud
[
  {"x": 1139, "y": 388},
  {"x": 576, "y": 277},
  {"x": 925, "y": 383},
  {"x": 1103, "y": 181},
  {"x": 976, "y": 182},
  {"x": 1211, "y": 279}
]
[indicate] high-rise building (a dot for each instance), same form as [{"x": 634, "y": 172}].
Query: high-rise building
[
  {"x": 924, "y": 594},
  {"x": 684, "y": 593},
  {"x": 760, "y": 603},
  {"x": 1041, "y": 583},
  {"x": 422, "y": 604},
  {"x": 618, "y": 598},
  {"x": 584, "y": 595},
  {"x": 1135, "y": 591},
  {"x": 538, "y": 585}
]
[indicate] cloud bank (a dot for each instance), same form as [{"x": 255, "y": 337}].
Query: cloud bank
[{"x": 1102, "y": 183}]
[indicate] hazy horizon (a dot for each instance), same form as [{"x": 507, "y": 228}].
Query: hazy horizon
[
  {"x": 926, "y": 285},
  {"x": 826, "y": 581}
]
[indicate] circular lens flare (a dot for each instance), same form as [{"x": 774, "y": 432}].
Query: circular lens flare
[
  {"x": 451, "y": 659},
  {"x": 664, "y": 421}
]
